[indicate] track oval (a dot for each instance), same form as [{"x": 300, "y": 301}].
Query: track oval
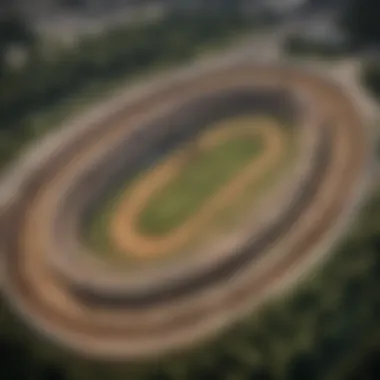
[{"x": 79, "y": 302}]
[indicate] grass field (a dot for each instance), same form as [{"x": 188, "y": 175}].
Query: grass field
[
  {"x": 199, "y": 179},
  {"x": 202, "y": 175}
]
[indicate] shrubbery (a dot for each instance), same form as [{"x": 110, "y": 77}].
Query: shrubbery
[
  {"x": 370, "y": 77},
  {"x": 301, "y": 46},
  {"x": 361, "y": 20}
]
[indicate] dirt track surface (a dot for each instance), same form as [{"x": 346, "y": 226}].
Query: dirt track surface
[
  {"x": 127, "y": 238},
  {"x": 59, "y": 289}
]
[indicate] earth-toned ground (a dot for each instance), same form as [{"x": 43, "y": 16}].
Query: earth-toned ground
[
  {"x": 124, "y": 229},
  {"x": 62, "y": 288}
]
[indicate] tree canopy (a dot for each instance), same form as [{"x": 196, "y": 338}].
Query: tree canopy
[
  {"x": 361, "y": 20},
  {"x": 13, "y": 30}
]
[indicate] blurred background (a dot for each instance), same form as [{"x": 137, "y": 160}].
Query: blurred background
[{"x": 59, "y": 56}]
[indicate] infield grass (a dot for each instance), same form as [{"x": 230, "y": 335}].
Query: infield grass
[{"x": 199, "y": 179}]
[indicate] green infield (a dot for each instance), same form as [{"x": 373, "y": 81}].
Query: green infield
[{"x": 199, "y": 179}]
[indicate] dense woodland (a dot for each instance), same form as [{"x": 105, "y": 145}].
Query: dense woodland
[
  {"x": 328, "y": 329},
  {"x": 361, "y": 20}
]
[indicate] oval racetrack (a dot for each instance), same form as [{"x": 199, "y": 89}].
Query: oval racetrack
[{"x": 61, "y": 288}]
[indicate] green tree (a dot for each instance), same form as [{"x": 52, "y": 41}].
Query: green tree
[
  {"x": 14, "y": 30},
  {"x": 361, "y": 20}
]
